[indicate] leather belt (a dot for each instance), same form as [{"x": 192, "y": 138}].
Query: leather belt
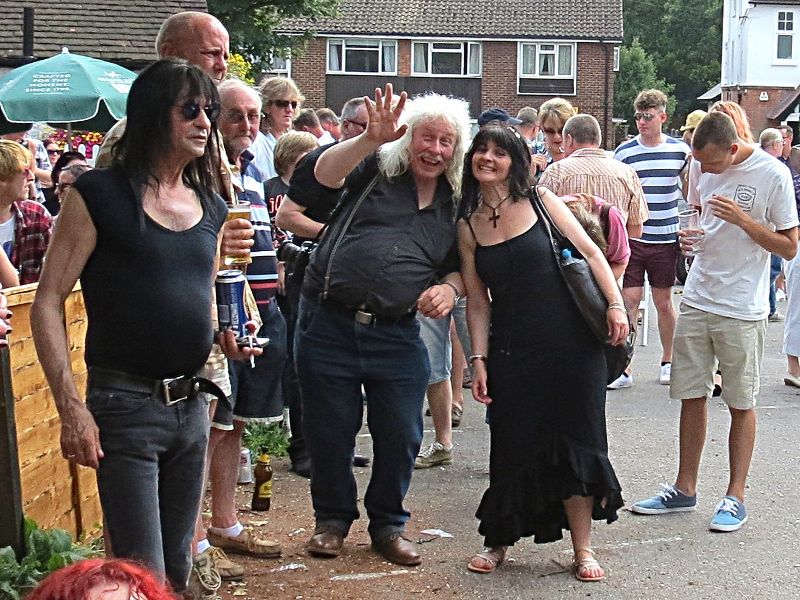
[
  {"x": 363, "y": 316},
  {"x": 171, "y": 390}
]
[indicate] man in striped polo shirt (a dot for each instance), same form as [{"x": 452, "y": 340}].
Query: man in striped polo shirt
[
  {"x": 256, "y": 393},
  {"x": 659, "y": 161}
]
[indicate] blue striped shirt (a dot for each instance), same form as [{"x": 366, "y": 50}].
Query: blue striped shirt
[
  {"x": 262, "y": 274},
  {"x": 659, "y": 169}
]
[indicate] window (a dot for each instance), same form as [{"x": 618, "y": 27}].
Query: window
[
  {"x": 446, "y": 58},
  {"x": 362, "y": 56},
  {"x": 785, "y": 36},
  {"x": 546, "y": 60},
  {"x": 280, "y": 65},
  {"x": 546, "y": 68},
  {"x": 615, "y": 60}
]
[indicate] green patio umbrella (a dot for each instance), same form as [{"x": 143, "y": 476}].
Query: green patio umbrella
[{"x": 69, "y": 91}]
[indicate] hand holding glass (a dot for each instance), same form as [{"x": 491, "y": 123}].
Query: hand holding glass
[
  {"x": 240, "y": 210},
  {"x": 692, "y": 239}
]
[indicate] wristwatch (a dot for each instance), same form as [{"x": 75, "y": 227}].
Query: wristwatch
[{"x": 455, "y": 289}]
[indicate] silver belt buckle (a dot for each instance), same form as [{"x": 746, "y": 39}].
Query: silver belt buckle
[
  {"x": 364, "y": 318},
  {"x": 168, "y": 400}
]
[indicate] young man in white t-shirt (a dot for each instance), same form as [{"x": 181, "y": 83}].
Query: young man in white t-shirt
[{"x": 747, "y": 209}]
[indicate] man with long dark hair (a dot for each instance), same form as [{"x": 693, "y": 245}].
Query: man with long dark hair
[{"x": 143, "y": 237}]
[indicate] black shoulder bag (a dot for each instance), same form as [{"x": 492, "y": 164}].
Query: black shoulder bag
[{"x": 585, "y": 292}]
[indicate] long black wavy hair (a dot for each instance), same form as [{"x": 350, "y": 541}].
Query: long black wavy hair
[
  {"x": 519, "y": 175},
  {"x": 153, "y": 94}
]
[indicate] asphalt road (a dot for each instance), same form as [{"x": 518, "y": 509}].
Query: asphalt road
[{"x": 668, "y": 556}]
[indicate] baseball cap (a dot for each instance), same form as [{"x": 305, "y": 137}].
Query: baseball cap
[
  {"x": 693, "y": 119},
  {"x": 496, "y": 114}
]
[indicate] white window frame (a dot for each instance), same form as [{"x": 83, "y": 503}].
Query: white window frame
[
  {"x": 615, "y": 60},
  {"x": 556, "y": 44},
  {"x": 467, "y": 47},
  {"x": 285, "y": 70},
  {"x": 354, "y": 41},
  {"x": 791, "y": 33}
]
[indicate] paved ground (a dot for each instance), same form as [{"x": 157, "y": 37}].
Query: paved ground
[{"x": 645, "y": 557}]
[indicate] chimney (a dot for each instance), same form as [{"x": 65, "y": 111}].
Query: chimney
[{"x": 27, "y": 32}]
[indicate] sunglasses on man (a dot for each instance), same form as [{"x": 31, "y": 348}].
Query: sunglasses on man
[
  {"x": 646, "y": 117},
  {"x": 191, "y": 110}
]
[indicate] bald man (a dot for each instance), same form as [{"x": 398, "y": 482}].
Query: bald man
[{"x": 197, "y": 38}]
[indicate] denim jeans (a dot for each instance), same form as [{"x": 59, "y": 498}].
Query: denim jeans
[
  {"x": 335, "y": 356},
  {"x": 150, "y": 477},
  {"x": 775, "y": 267}
]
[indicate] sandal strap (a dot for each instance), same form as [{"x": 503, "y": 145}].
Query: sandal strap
[{"x": 492, "y": 556}]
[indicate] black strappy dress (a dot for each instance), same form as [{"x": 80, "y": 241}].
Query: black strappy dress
[{"x": 547, "y": 377}]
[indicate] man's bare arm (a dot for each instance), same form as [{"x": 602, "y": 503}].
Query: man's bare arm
[
  {"x": 291, "y": 218},
  {"x": 73, "y": 242}
]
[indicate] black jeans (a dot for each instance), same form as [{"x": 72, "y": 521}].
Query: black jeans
[
  {"x": 150, "y": 477},
  {"x": 335, "y": 356}
]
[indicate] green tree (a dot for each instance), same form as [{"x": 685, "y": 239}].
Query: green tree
[
  {"x": 637, "y": 72},
  {"x": 684, "y": 40},
  {"x": 252, "y": 24}
]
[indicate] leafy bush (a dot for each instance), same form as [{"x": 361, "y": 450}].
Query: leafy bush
[
  {"x": 45, "y": 551},
  {"x": 271, "y": 438}
]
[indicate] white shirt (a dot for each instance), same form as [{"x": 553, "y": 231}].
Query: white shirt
[
  {"x": 263, "y": 149},
  {"x": 7, "y": 235},
  {"x": 730, "y": 277},
  {"x": 326, "y": 138}
]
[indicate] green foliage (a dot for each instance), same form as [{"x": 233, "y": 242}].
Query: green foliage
[
  {"x": 637, "y": 72},
  {"x": 45, "y": 551},
  {"x": 252, "y": 24},
  {"x": 271, "y": 438},
  {"x": 684, "y": 40},
  {"x": 240, "y": 67}
]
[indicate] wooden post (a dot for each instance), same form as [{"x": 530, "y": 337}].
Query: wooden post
[{"x": 12, "y": 524}]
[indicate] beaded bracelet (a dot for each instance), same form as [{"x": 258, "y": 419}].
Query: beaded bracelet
[{"x": 617, "y": 306}]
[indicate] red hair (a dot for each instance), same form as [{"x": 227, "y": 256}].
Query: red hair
[{"x": 74, "y": 582}]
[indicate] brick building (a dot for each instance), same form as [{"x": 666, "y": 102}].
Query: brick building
[
  {"x": 118, "y": 31},
  {"x": 761, "y": 60},
  {"x": 511, "y": 54}
]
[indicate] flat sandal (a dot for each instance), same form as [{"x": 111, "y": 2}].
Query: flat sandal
[
  {"x": 588, "y": 563},
  {"x": 492, "y": 556}
]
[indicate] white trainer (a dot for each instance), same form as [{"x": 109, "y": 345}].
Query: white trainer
[
  {"x": 666, "y": 373},
  {"x": 621, "y": 382}
]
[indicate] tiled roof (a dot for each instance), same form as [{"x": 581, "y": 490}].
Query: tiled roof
[
  {"x": 589, "y": 19},
  {"x": 113, "y": 30}
]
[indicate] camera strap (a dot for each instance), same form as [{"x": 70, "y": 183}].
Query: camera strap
[{"x": 364, "y": 194}]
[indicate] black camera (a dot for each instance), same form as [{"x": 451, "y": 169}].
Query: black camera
[{"x": 296, "y": 258}]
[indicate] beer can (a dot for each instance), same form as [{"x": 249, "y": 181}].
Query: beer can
[
  {"x": 245, "y": 467},
  {"x": 230, "y": 301}
]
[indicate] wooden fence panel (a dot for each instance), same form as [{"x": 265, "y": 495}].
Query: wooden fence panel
[{"x": 55, "y": 493}]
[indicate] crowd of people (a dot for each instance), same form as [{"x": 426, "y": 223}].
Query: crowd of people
[{"x": 390, "y": 256}]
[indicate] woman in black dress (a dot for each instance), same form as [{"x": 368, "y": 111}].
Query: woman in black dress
[{"x": 536, "y": 364}]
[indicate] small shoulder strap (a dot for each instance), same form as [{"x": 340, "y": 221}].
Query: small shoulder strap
[{"x": 604, "y": 220}]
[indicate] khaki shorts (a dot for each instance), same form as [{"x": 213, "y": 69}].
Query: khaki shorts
[{"x": 701, "y": 339}]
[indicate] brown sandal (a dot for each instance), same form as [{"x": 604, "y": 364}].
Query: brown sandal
[
  {"x": 583, "y": 567},
  {"x": 487, "y": 561}
]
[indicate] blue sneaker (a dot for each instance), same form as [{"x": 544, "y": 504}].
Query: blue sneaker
[
  {"x": 729, "y": 515},
  {"x": 668, "y": 500}
]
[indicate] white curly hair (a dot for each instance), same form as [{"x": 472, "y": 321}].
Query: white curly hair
[{"x": 396, "y": 156}]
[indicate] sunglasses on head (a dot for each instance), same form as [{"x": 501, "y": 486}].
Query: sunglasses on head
[
  {"x": 647, "y": 117},
  {"x": 285, "y": 103},
  {"x": 191, "y": 110}
]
